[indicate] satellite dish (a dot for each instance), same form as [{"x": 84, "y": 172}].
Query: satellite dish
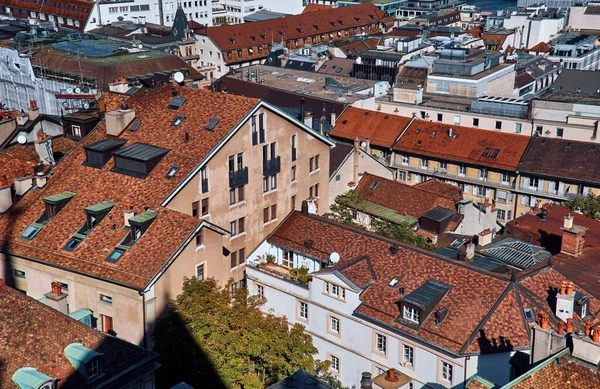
[
  {"x": 70, "y": 91},
  {"x": 77, "y": 90},
  {"x": 22, "y": 139},
  {"x": 363, "y": 144},
  {"x": 334, "y": 257},
  {"x": 65, "y": 104},
  {"x": 86, "y": 105},
  {"x": 140, "y": 46},
  {"x": 178, "y": 77}
]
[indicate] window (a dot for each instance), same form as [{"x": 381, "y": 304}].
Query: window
[
  {"x": 303, "y": 310},
  {"x": 475, "y": 122},
  {"x": 232, "y": 196},
  {"x": 498, "y": 125},
  {"x": 424, "y": 163},
  {"x": 529, "y": 238},
  {"x": 242, "y": 225},
  {"x": 335, "y": 363},
  {"x": 500, "y": 214},
  {"x": 19, "y": 273},
  {"x": 446, "y": 372},
  {"x": 233, "y": 228},
  {"x": 443, "y": 165},
  {"x": 423, "y": 114},
  {"x": 483, "y": 174},
  {"x": 505, "y": 178},
  {"x": 92, "y": 368},
  {"x": 233, "y": 257},
  {"x": 440, "y": 117},
  {"x": 294, "y": 149},
  {"x": 559, "y": 132},
  {"x": 294, "y": 174},
  {"x": 260, "y": 291},
  {"x": 205, "y": 207},
  {"x": 106, "y": 299},
  {"x": 316, "y": 190},
  {"x": 195, "y": 209},
  {"x": 404, "y": 159},
  {"x": 334, "y": 324},
  {"x": 381, "y": 343},
  {"x": 273, "y": 180},
  {"x": 518, "y": 128},
  {"x": 200, "y": 272},
  {"x": 76, "y": 130},
  {"x": 273, "y": 211},
  {"x": 314, "y": 163},
  {"x": 107, "y": 324},
  {"x": 204, "y": 179},
  {"x": 407, "y": 354},
  {"x": 539, "y": 129},
  {"x": 265, "y": 184},
  {"x": 411, "y": 314},
  {"x": 72, "y": 244},
  {"x": 462, "y": 170},
  {"x": 266, "y": 215},
  {"x": 287, "y": 258},
  {"x": 456, "y": 119}
]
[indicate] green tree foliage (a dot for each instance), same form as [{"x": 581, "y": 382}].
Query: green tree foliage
[
  {"x": 588, "y": 205},
  {"x": 341, "y": 212},
  {"x": 213, "y": 340}
]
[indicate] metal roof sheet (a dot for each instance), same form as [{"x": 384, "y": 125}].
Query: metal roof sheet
[
  {"x": 439, "y": 214},
  {"x": 517, "y": 253},
  {"x": 428, "y": 295},
  {"x": 59, "y": 198},
  {"x": 142, "y": 152},
  {"x": 143, "y": 217},
  {"x": 102, "y": 207},
  {"x": 106, "y": 145}
]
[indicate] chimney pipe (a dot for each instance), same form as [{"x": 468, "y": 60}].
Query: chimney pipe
[
  {"x": 450, "y": 132},
  {"x": 56, "y": 288},
  {"x": 366, "y": 382},
  {"x": 470, "y": 251},
  {"x": 569, "y": 326},
  {"x": 588, "y": 327},
  {"x": 128, "y": 212},
  {"x": 568, "y": 222},
  {"x": 569, "y": 290},
  {"x": 595, "y": 335},
  {"x": 543, "y": 320},
  {"x": 302, "y": 109},
  {"x": 40, "y": 180},
  {"x": 333, "y": 119},
  {"x": 391, "y": 376},
  {"x": 561, "y": 327},
  {"x": 304, "y": 208}
]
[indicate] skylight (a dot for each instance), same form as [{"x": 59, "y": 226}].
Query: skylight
[
  {"x": 490, "y": 152},
  {"x": 172, "y": 171},
  {"x": 177, "y": 121},
  {"x": 134, "y": 127},
  {"x": 211, "y": 125},
  {"x": 393, "y": 282},
  {"x": 374, "y": 185},
  {"x": 115, "y": 255},
  {"x": 176, "y": 103}
]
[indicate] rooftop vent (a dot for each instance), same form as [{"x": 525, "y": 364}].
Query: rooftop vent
[
  {"x": 393, "y": 282},
  {"x": 308, "y": 243},
  {"x": 417, "y": 131},
  {"x": 440, "y": 316},
  {"x": 211, "y": 124},
  {"x": 394, "y": 249},
  {"x": 434, "y": 133},
  {"x": 176, "y": 103}
]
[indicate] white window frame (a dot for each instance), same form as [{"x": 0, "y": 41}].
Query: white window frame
[
  {"x": 447, "y": 372},
  {"x": 381, "y": 343},
  {"x": 408, "y": 358},
  {"x": 303, "y": 313},
  {"x": 411, "y": 314}
]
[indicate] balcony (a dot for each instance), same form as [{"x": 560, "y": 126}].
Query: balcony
[
  {"x": 238, "y": 178},
  {"x": 445, "y": 174},
  {"x": 554, "y": 194},
  {"x": 271, "y": 166},
  {"x": 282, "y": 273}
]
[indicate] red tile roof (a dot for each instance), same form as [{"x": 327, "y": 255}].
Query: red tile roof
[
  {"x": 72, "y": 9},
  {"x": 139, "y": 264},
  {"x": 541, "y": 47},
  {"x": 402, "y": 198},
  {"x": 477, "y": 300},
  {"x": 315, "y": 7},
  {"x": 263, "y": 33},
  {"x": 381, "y": 129},
  {"x": 442, "y": 188},
  {"x": 35, "y": 335},
  {"x": 466, "y": 144}
]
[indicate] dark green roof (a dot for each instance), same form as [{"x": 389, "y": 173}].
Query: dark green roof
[
  {"x": 144, "y": 217},
  {"x": 59, "y": 198},
  {"x": 382, "y": 212},
  {"x": 102, "y": 207}
]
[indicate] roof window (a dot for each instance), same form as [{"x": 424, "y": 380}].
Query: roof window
[
  {"x": 138, "y": 160},
  {"x": 393, "y": 282},
  {"x": 177, "y": 121},
  {"x": 54, "y": 204},
  {"x": 94, "y": 215},
  {"x": 98, "y": 154},
  {"x": 172, "y": 171},
  {"x": 490, "y": 152},
  {"x": 211, "y": 124},
  {"x": 528, "y": 312},
  {"x": 134, "y": 127},
  {"x": 374, "y": 185},
  {"x": 84, "y": 360},
  {"x": 115, "y": 255},
  {"x": 176, "y": 102}
]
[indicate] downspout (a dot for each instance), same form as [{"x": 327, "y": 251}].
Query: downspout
[
  {"x": 144, "y": 317},
  {"x": 465, "y": 370}
]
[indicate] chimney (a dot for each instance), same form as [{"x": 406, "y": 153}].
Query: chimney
[
  {"x": 304, "y": 208},
  {"x": 573, "y": 237},
  {"x": 356, "y": 160},
  {"x": 543, "y": 320},
  {"x": 366, "y": 381},
  {"x": 544, "y": 214},
  {"x": 390, "y": 376},
  {"x": 33, "y": 112},
  {"x": 595, "y": 335},
  {"x": 333, "y": 119},
  {"x": 544, "y": 340},
  {"x": 56, "y": 298},
  {"x": 308, "y": 119},
  {"x": 117, "y": 121},
  {"x": 368, "y": 145},
  {"x": 470, "y": 251},
  {"x": 565, "y": 302},
  {"x": 43, "y": 147},
  {"x": 5, "y": 195},
  {"x": 587, "y": 349},
  {"x": 22, "y": 185},
  {"x": 450, "y": 132},
  {"x": 434, "y": 239},
  {"x": 22, "y": 118},
  {"x": 485, "y": 237},
  {"x": 302, "y": 109},
  {"x": 569, "y": 326},
  {"x": 128, "y": 212},
  {"x": 40, "y": 180}
]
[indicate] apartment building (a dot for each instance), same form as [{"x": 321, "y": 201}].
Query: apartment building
[
  {"x": 576, "y": 51},
  {"x": 241, "y": 45},
  {"x": 168, "y": 186},
  {"x": 372, "y": 304},
  {"x": 41, "y": 347},
  {"x": 74, "y": 14},
  {"x": 571, "y": 172}
]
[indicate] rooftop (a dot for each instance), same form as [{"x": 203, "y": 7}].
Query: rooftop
[
  {"x": 30, "y": 340},
  {"x": 584, "y": 81},
  {"x": 463, "y": 144},
  {"x": 571, "y": 160},
  {"x": 94, "y": 185},
  {"x": 478, "y": 302},
  {"x": 338, "y": 155},
  {"x": 517, "y": 253},
  {"x": 380, "y": 129}
]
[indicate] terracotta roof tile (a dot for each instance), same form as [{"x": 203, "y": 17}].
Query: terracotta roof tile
[
  {"x": 263, "y": 33},
  {"x": 466, "y": 144},
  {"x": 541, "y": 47},
  {"x": 380, "y": 128},
  {"x": 442, "y": 188},
  {"x": 92, "y": 186},
  {"x": 315, "y": 7},
  {"x": 35, "y": 335},
  {"x": 402, "y": 198},
  {"x": 477, "y": 299},
  {"x": 338, "y": 155},
  {"x": 113, "y": 100},
  {"x": 72, "y": 9}
]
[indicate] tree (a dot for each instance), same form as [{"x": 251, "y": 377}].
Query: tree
[
  {"x": 211, "y": 339},
  {"x": 588, "y": 205},
  {"x": 342, "y": 210}
]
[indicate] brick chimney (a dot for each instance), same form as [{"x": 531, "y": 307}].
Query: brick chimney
[
  {"x": 573, "y": 237},
  {"x": 117, "y": 121},
  {"x": 33, "y": 112},
  {"x": 470, "y": 251},
  {"x": 366, "y": 381},
  {"x": 5, "y": 195},
  {"x": 128, "y": 212},
  {"x": 544, "y": 340},
  {"x": 390, "y": 376},
  {"x": 40, "y": 180},
  {"x": 485, "y": 237},
  {"x": 56, "y": 298},
  {"x": 565, "y": 302}
]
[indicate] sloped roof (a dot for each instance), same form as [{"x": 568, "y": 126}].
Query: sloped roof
[
  {"x": 403, "y": 199},
  {"x": 301, "y": 380},
  {"x": 381, "y": 129},
  {"x": 72, "y": 9},
  {"x": 315, "y": 7},
  {"x": 441, "y": 188},
  {"x": 541, "y": 47},
  {"x": 466, "y": 144},
  {"x": 338, "y": 155},
  {"x": 477, "y": 300},
  {"x": 35, "y": 335},
  {"x": 92, "y": 186},
  {"x": 263, "y": 33}
]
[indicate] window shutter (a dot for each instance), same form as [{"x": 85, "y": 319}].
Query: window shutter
[
  {"x": 475, "y": 190},
  {"x": 540, "y": 185},
  {"x": 561, "y": 187},
  {"x": 266, "y": 215},
  {"x": 526, "y": 182},
  {"x": 487, "y": 192}
]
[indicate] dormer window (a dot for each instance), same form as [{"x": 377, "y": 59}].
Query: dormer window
[
  {"x": 29, "y": 377},
  {"x": 92, "y": 368},
  {"x": 54, "y": 204},
  {"x": 94, "y": 214},
  {"x": 86, "y": 361},
  {"x": 99, "y": 153},
  {"x": 138, "y": 160},
  {"x": 422, "y": 302},
  {"x": 412, "y": 314}
]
